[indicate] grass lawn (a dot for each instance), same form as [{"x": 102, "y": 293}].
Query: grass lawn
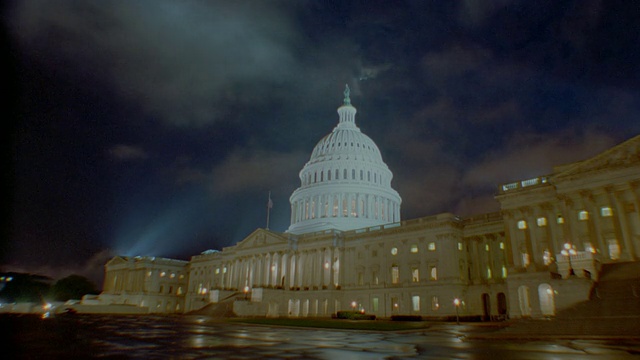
[{"x": 372, "y": 325}]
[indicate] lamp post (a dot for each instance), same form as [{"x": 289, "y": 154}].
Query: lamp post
[
  {"x": 246, "y": 292},
  {"x": 456, "y": 302},
  {"x": 353, "y": 305},
  {"x": 568, "y": 251}
]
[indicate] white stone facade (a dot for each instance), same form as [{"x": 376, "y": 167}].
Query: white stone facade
[{"x": 348, "y": 249}]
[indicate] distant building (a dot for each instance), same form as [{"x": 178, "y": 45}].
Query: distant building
[{"x": 348, "y": 249}]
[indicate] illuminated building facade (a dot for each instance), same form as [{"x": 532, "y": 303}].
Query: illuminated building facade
[{"x": 348, "y": 249}]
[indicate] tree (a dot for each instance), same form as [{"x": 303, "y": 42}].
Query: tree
[
  {"x": 72, "y": 287},
  {"x": 20, "y": 287}
]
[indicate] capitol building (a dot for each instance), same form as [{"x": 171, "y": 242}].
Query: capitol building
[{"x": 347, "y": 247}]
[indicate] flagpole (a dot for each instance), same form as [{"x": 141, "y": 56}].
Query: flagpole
[{"x": 269, "y": 206}]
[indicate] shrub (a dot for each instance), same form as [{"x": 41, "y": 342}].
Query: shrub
[
  {"x": 354, "y": 315},
  {"x": 406, "y": 318}
]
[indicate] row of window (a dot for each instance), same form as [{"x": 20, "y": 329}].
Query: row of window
[
  {"x": 415, "y": 303},
  {"x": 178, "y": 292},
  {"x": 613, "y": 247},
  {"x": 325, "y": 207},
  {"x": 583, "y": 215},
  {"x": 335, "y": 175},
  {"x": 432, "y": 247},
  {"x": 170, "y": 275}
]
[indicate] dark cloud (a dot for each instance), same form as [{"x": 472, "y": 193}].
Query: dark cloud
[
  {"x": 182, "y": 62},
  {"x": 127, "y": 152},
  {"x": 205, "y": 106}
]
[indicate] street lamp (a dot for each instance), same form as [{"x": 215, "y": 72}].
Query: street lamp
[
  {"x": 246, "y": 292},
  {"x": 353, "y": 305},
  {"x": 568, "y": 251},
  {"x": 456, "y": 302}
]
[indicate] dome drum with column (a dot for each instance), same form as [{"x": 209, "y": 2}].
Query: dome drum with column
[{"x": 345, "y": 185}]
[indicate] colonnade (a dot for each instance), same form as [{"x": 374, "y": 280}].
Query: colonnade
[
  {"x": 604, "y": 220},
  {"x": 308, "y": 269},
  {"x": 345, "y": 205}
]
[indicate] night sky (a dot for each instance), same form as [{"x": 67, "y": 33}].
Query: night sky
[{"x": 159, "y": 127}]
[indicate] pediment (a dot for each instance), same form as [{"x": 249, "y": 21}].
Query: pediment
[
  {"x": 262, "y": 238},
  {"x": 117, "y": 260},
  {"x": 626, "y": 154}
]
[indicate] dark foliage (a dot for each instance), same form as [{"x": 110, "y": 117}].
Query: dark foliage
[{"x": 72, "y": 287}]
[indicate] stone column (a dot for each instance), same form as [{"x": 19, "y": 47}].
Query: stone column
[
  {"x": 620, "y": 223},
  {"x": 594, "y": 224}
]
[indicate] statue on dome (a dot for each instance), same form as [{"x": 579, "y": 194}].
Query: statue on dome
[{"x": 347, "y": 100}]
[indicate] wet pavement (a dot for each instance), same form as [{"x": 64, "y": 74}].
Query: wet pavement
[{"x": 198, "y": 337}]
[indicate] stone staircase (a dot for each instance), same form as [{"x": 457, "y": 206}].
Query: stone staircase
[
  {"x": 615, "y": 295},
  {"x": 221, "y": 309},
  {"x": 613, "y": 309}
]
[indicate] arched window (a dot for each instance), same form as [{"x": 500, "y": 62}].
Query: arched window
[{"x": 344, "y": 207}]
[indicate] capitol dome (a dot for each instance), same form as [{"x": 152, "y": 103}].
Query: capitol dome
[{"x": 345, "y": 185}]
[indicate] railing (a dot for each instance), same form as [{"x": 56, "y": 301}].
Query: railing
[{"x": 524, "y": 183}]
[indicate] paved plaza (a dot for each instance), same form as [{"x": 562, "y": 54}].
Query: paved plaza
[{"x": 197, "y": 337}]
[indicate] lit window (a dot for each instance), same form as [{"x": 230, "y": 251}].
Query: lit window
[
  {"x": 542, "y": 221},
  {"x": 435, "y": 304},
  {"x": 224, "y": 270},
  {"x": 415, "y": 275},
  {"x": 375, "y": 304},
  {"x": 504, "y": 271},
  {"x": 415, "y": 302},
  {"x": 546, "y": 257},
  {"x": 614, "y": 249},
  {"x": 583, "y": 215},
  {"x": 588, "y": 247},
  {"x": 172, "y": 275},
  {"x": 522, "y": 224},
  {"x": 394, "y": 251},
  {"x": 148, "y": 273},
  {"x": 179, "y": 292},
  {"x": 486, "y": 247},
  {"x": 606, "y": 211},
  {"x": 181, "y": 276},
  {"x": 162, "y": 274},
  {"x": 433, "y": 273},
  {"x": 460, "y": 246},
  {"x": 432, "y": 246},
  {"x": 501, "y": 246},
  {"x": 560, "y": 219},
  {"x": 374, "y": 276},
  {"x": 488, "y": 273},
  {"x": 395, "y": 274},
  {"x": 414, "y": 248},
  {"x": 217, "y": 270},
  {"x": 525, "y": 259}
]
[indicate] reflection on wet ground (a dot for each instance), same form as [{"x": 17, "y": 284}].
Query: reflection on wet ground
[{"x": 196, "y": 337}]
